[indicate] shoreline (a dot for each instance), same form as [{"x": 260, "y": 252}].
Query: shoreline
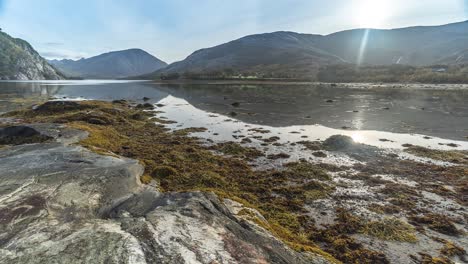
[
  {"x": 435, "y": 86},
  {"x": 304, "y": 204}
]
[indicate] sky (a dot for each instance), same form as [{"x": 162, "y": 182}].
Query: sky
[{"x": 173, "y": 29}]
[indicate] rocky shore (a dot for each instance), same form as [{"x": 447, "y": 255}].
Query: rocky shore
[
  {"x": 106, "y": 182},
  {"x": 61, "y": 203}
]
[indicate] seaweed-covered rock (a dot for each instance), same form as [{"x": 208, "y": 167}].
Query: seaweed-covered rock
[{"x": 59, "y": 107}]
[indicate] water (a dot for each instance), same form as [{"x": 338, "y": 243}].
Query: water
[{"x": 385, "y": 117}]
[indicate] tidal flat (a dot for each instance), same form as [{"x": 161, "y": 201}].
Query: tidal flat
[{"x": 347, "y": 190}]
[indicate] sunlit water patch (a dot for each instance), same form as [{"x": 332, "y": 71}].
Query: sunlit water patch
[
  {"x": 228, "y": 128},
  {"x": 286, "y": 144}
]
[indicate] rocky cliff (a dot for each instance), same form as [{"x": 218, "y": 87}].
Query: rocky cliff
[{"x": 19, "y": 61}]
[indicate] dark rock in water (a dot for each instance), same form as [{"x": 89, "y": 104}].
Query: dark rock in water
[
  {"x": 246, "y": 140},
  {"x": 338, "y": 142},
  {"x": 320, "y": 154},
  {"x": 311, "y": 145},
  {"x": 61, "y": 203},
  {"x": 407, "y": 145},
  {"x": 233, "y": 114},
  {"x": 145, "y": 106},
  {"x": 329, "y": 101},
  {"x": 160, "y": 105},
  {"x": 271, "y": 139},
  {"x": 146, "y": 98},
  {"x": 278, "y": 156},
  {"x": 385, "y": 140},
  {"x": 236, "y": 104},
  {"x": 17, "y": 135},
  {"x": 348, "y": 146},
  {"x": 121, "y": 101}
]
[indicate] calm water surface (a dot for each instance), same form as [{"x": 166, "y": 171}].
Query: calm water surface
[{"x": 383, "y": 117}]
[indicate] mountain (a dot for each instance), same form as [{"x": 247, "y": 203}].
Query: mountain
[
  {"x": 112, "y": 65},
  {"x": 286, "y": 54},
  {"x": 416, "y": 46},
  {"x": 460, "y": 57},
  {"x": 19, "y": 61}
]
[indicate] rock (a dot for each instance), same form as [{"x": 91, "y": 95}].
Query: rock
[
  {"x": 59, "y": 106},
  {"x": 246, "y": 140},
  {"x": 278, "y": 156},
  {"x": 319, "y": 154},
  {"x": 18, "y": 135},
  {"x": 96, "y": 121},
  {"x": 329, "y": 101},
  {"x": 271, "y": 139},
  {"x": 348, "y": 146},
  {"x": 146, "y": 98},
  {"x": 138, "y": 116},
  {"x": 145, "y": 106},
  {"x": 233, "y": 114},
  {"x": 61, "y": 203},
  {"x": 385, "y": 140},
  {"x": 121, "y": 101},
  {"x": 236, "y": 104},
  {"x": 338, "y": 142}
]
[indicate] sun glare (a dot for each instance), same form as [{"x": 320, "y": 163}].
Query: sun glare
[
  {"x": 372, "y": 13},
  {"x": 358, "y": 138}
]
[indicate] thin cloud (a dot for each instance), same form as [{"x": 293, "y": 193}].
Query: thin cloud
[
  {"x": 54, "y": 44},
  {"x": 62, "y": 54}
]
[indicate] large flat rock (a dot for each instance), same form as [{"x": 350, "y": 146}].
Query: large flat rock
[{"x": 60, "y": 203}]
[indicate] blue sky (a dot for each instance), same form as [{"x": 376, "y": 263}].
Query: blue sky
[{"x": 173, "y": 29}]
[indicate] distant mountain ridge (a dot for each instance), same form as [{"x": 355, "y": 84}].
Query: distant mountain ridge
[
  {"x": 111, "y": 65},
  {"x": 293, "y": 54},
  {"x": 19, "y": 61}
]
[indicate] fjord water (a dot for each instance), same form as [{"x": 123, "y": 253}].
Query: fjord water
[{"x": 380, "y": 115}]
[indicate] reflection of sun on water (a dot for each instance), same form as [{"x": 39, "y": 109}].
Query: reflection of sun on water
[{"x": 358, "y": 138}]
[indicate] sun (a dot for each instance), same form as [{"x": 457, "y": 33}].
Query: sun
[{"x": 372, "y": 13}]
